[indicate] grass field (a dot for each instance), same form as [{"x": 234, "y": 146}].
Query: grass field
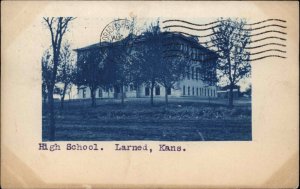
[{"x": 188, "y": 120}]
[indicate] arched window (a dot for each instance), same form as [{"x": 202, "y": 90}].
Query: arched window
[
  {"x": 188, "y": 72},
  {"x": 169, "y": 91},
  {"x": 100, "y": 94},
  {"x": 147, "y": 91},
  {"x": 83, "y": 93},
  {"x": 157, "y": 90},
  {"x": 192, "y": 73}
]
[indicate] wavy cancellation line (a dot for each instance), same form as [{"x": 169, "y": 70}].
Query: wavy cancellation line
[
  {"x": 180, "y": 51},
  {"x": 186, "y": 27},
  {"x": 200, "y": 36},
  {"x": 211, "y": 34},
  {"x": 209, "y": 53},
  {"x": 176, "y": 20},
  {"x": 251, "y": 42},
  {"x": 266, "y": 38},
  {"x": 267, "y": 20},
  {"x": 178, "y": 44},
  {"x": 254, "y": 41},
  {"x": 193, "y": 59},
  {"x": 269, "y": 56},
  {"x": 269, "y": 50},
  {"x": 217, "y": 51},
  {"x": 211, "y": 23},
  {"x": 204, "y": 29},
  {"x": 267, "y": 44},
  {"x": 208, "y": 59}
]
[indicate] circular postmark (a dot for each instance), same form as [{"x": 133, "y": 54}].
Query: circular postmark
[{"x": 116, "y": 30}]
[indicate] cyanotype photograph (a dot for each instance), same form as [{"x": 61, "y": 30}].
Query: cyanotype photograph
[{"x": 154, "y": 79}]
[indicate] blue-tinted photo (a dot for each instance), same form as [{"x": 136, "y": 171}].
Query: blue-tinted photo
[{"x": 156, "y": 80}]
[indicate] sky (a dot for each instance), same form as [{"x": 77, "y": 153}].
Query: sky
[{"x": 84, "y": 31}]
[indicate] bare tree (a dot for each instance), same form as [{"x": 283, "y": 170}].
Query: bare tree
[
  {"x": 65, "y": 71},
  {"x": 231, "y": 38},
  {"x": 57, "y": 27},
  {"x": 47, "y": 67}
]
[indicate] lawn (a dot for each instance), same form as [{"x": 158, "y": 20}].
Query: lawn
[{"x": 190, "y": 120}]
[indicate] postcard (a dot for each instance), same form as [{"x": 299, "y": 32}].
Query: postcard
[{"x": 154, "y": 94}]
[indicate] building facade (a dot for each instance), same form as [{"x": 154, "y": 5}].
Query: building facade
[{"x": 190, "y": 84}]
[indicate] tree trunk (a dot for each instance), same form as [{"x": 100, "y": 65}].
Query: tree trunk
[
  {"x": 230, "y": 97},
  {"x": 93, "y": 90},
  {"x": 63, "y": 96},
  {"x": 166, "y": 96},
  {"x": 151, "y": 97},
  {"x": 122, "y": 95},
  {"x": 51, "y": 126},
  {"x": 137, "y": 92}
]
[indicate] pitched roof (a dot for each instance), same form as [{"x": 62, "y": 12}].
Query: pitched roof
[{"x": 142, "y": 38}]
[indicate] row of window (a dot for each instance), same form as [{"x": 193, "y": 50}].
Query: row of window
[
  {"x": 100, "y": 91},
  {"x": 156, "y": 91},
  {"x": 192, "y": 73},
  {"x": 192, "y": 91},
  {"x": 194, "y": 53}
]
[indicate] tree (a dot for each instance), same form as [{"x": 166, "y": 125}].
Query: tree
[
  {"x": 90, "y": 70},
  {"x": 152, "y": 57},
  {"x": 172, "y": 70},
  {"x": 248, "y": 90},
  {"x": 123, "y": 58},
  {"x": 57, "y": 27},
  {"x": 65, "y": 71},
  {"x": 47, "y": 67},
  {"x": 230, "y": 38}
]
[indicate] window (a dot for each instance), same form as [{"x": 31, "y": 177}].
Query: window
[
  {"x": 100, "y": 93},
  {"x": 193, "y": 91},
  {"x": 197, "y": 91},
  {"x": 83, "y": 93},
  {"x": 197, "y": 74},
  {"x": 204, "y": 92},
  {"x": 189, "y": 91},
  {"x": 214, "y": 92},
  {"x": 117, "y": 89},
  {"x": 183, "y": 90},
  {"x": 147, "y": 91},
  {"x": 192, "y": 73},
  {"x": 188, "y": 73},
  {"x": 157, "y": 90},
  {"x": 131, "y": 87},
  {"x": 169, "y": 91}
]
